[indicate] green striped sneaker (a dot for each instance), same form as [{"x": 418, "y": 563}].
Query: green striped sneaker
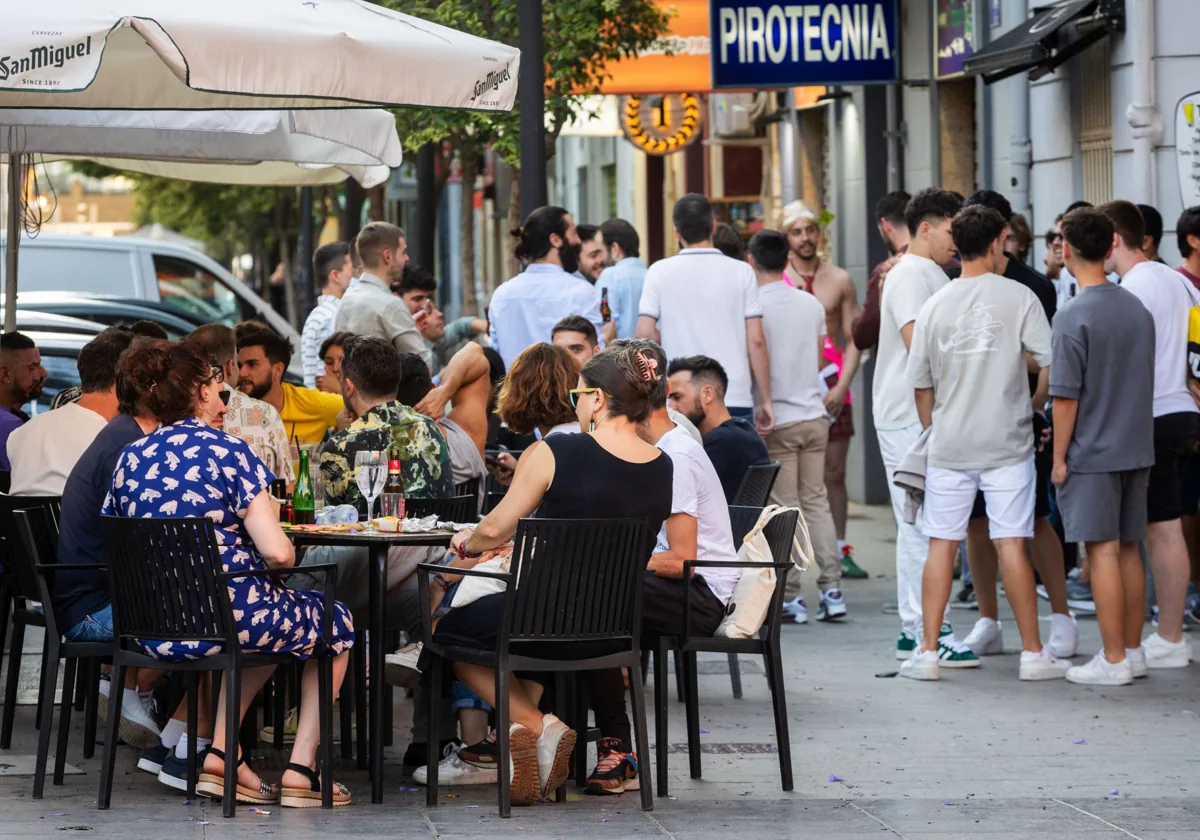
[
  {"x": 905, "y": 645},
  {"x": 952, "y": 653}
]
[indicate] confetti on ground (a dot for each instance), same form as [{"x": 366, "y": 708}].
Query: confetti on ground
[
  {"x": 203, "y": 822},
  {"x": 60, "y": 814},
  {"x": 1114, "y": 792},
  {"x": 260, "y": 811},
  {"x": 703, "y": 731},
  {"x": 833, "y": 778},
  {"x": 470, "y": 806},
  {"x": 1079, "y": 742}
]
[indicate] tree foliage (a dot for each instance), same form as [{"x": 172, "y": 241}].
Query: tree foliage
[{"x": 581, "y": 38}]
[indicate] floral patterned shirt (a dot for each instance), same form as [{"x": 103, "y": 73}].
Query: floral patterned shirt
[
  {"x": 259, "y": 424},
  {"x": 426, "y": 457}
]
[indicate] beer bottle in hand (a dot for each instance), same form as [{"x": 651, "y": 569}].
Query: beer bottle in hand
[
  {"x": 303, "y": 507},
  {"x": 393, "y": 490},
  {"x": 605, "y": 310}
]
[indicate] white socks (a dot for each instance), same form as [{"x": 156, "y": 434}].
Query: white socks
[
  {"x": 1058, "y": 619},
  {"x": 172, "y": 733},
  {"x": 104, "y": 685},
  {"x": 841, "y": 547},
  {"x": 181, "y": 748}
]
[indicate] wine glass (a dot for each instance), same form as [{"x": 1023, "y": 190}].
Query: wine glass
[{"x": 370, "y": 471}]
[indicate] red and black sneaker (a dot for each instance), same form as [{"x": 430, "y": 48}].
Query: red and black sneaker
[{"x": 617, "y": 770}]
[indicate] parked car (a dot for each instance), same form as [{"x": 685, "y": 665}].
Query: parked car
[
  {"x": 30, "y": 321},
  {"x": 108, "y": 312},
  {"x": 147, "y": 270}
]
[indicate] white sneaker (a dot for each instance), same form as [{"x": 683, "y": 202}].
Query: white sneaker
[
  {"x": 1042, "y": 666},
  {"x": 400, "y": 668},
  {"x": 453, "y": 771},
  {"x": 1137, "y": 661},
  {"x": 554, "y": 746},
  {"x": 1163, "y": 654},
  {"x": 1099, "y": 671},
  {"x": 1064, "y": 637},
  {"x": 922, "y": 665},
  {"x": 986, "y": 638},
  {"x": 137, "y": 727},
  {"x": 795, "y": 611}
]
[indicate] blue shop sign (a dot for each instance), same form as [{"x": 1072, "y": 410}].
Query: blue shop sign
[{"x": 765, "y": 44}]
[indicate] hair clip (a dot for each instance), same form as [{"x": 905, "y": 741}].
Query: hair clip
[{"x": 648, "y": 367}]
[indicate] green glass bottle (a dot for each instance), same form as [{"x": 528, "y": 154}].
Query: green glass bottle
[{"x": 303, "y": 507}]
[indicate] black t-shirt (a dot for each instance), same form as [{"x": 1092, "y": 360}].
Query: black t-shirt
[
  {"x": 80, "y": 538},
  {"x": 592, "y": 483},
  {"x": 1036, "y": 283},
  {"x": 733, "y": 447}
]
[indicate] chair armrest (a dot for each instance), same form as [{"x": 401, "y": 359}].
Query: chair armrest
[
  {"x": 70, "y": 567},
  {"x": 737, "y": 564},
  {"x": 328, "y": 597},
  {"x": 425, "y": 569}
]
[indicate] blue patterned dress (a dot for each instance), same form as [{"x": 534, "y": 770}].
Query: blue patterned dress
[{"x": 191, "y": 469}]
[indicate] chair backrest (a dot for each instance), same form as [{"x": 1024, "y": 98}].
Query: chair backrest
[
  {"x": 756, "y": 484},
  {"x": 462, "y": 509},
  {"x": 37, "y": 529},
  {"x": 578, "y": 579},
  {"x": 163, "y": 577},
  {"x": 17, "y": 561},
  {"x": 470, "y": 487},
  {"x": 742, "y": 518}
]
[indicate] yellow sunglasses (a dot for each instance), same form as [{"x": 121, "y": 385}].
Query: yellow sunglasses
[{"x": 575, "y": 392}]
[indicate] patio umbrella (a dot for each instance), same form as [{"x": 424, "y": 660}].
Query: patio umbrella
[
  {"x": 264, "y": 148},
  {"x": 235, "y": 54}
]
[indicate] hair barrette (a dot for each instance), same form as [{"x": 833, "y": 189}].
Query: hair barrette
[{"x": 647, "y": 366}]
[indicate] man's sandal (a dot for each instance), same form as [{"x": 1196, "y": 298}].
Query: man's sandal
[
  {"x": 310, "y": 797},
  {"x": 212, "y": 785}
]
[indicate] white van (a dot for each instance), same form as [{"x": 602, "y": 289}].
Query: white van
[{"x": 130, "y": 267}]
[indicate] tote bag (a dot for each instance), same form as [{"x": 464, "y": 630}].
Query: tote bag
[{"x": 752, "y": 596}]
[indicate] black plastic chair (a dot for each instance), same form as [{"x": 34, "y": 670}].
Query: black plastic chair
[
  {"x": 462, "y": 509},
  {"x": 472, "y": 487},
  {"x": 5, "y": 481},
  {"x": 38, "y": 531},
  {"x": 779, "y": 532},
  {"x": 572, "y": 582},
  {"x": 755, "y": 489},
  {"x": 167, "y": 584},
  {"x": 20, "y": 592}
]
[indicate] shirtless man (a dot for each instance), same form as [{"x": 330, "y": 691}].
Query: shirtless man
[{"x": 834, "y": 288}]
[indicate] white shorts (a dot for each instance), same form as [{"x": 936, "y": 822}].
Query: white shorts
[{"x": 1010, "y": 493}]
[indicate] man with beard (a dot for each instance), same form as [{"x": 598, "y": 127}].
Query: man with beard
[
  {"x": 21, "y": 378},
  {"x": 593, "y": 256},
  {"x": 263, "y": 356},
  {"x": 834, "y": 288},
  {"x": 369, "y": 307},
  {"x": 524, "y": 310}
]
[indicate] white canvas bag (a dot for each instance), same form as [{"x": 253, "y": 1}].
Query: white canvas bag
[{"x": 752, "y": 596}]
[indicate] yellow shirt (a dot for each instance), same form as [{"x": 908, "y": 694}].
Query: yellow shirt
[{"x": 307, "y": 414}]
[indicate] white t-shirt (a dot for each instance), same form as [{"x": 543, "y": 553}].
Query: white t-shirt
[
  {"x": 1169, "y": 297},
  {"x": 969, "y": 346},
  {"x": 696, "y": 491},
  {"x": 794, "y": 323},
  {"x": 912, "y": 281},
  {"x": 702, "y": 300},
  {"x": 44, "y": 451}
]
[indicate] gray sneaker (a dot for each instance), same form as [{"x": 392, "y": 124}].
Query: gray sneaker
[{"x": 1079, "y": 597}]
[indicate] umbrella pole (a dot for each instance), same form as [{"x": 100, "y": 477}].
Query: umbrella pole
[{"x": 14, "y": 240}]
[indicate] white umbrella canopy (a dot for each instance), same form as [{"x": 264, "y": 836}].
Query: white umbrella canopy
[
  {"x": 263, "y": 148},
  {"x": 234, "y": 54}
]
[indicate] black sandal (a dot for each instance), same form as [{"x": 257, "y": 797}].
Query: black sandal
[
  {"x": 213, "y": 785},
  {"x": 310, "y": 797}
]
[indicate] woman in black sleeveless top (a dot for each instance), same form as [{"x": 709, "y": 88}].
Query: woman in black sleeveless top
[{"x": 608, "y": 472}]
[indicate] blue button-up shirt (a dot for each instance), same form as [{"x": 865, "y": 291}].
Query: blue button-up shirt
[
  {"x": 524, "y": 310},
  {"x": 624, "y": 283}
]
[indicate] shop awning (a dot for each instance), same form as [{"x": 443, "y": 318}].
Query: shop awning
[{"x": 1050, "y": 37}]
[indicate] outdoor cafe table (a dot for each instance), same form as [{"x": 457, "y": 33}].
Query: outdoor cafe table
[{"x": 377, "y": 545}]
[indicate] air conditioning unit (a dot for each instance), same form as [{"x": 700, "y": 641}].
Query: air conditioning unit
[{"x": 732, "y": 114}]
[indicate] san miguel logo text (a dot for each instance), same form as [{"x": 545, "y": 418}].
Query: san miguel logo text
[
  {"x": 42, "y": 57},
  {"x": 491, "y": 82}
]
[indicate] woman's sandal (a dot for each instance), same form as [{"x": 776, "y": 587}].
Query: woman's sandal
[
  {"x": 310, "y": 797},
  {"x": 212, "y": 785}
]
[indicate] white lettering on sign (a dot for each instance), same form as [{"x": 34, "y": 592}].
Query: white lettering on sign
[{"x": 831, "y": 33}]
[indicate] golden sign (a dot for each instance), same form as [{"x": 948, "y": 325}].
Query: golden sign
[{"x": 661, "y": 124}]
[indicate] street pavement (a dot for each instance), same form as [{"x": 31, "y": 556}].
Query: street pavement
[{"x": 977, "y": 755}]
